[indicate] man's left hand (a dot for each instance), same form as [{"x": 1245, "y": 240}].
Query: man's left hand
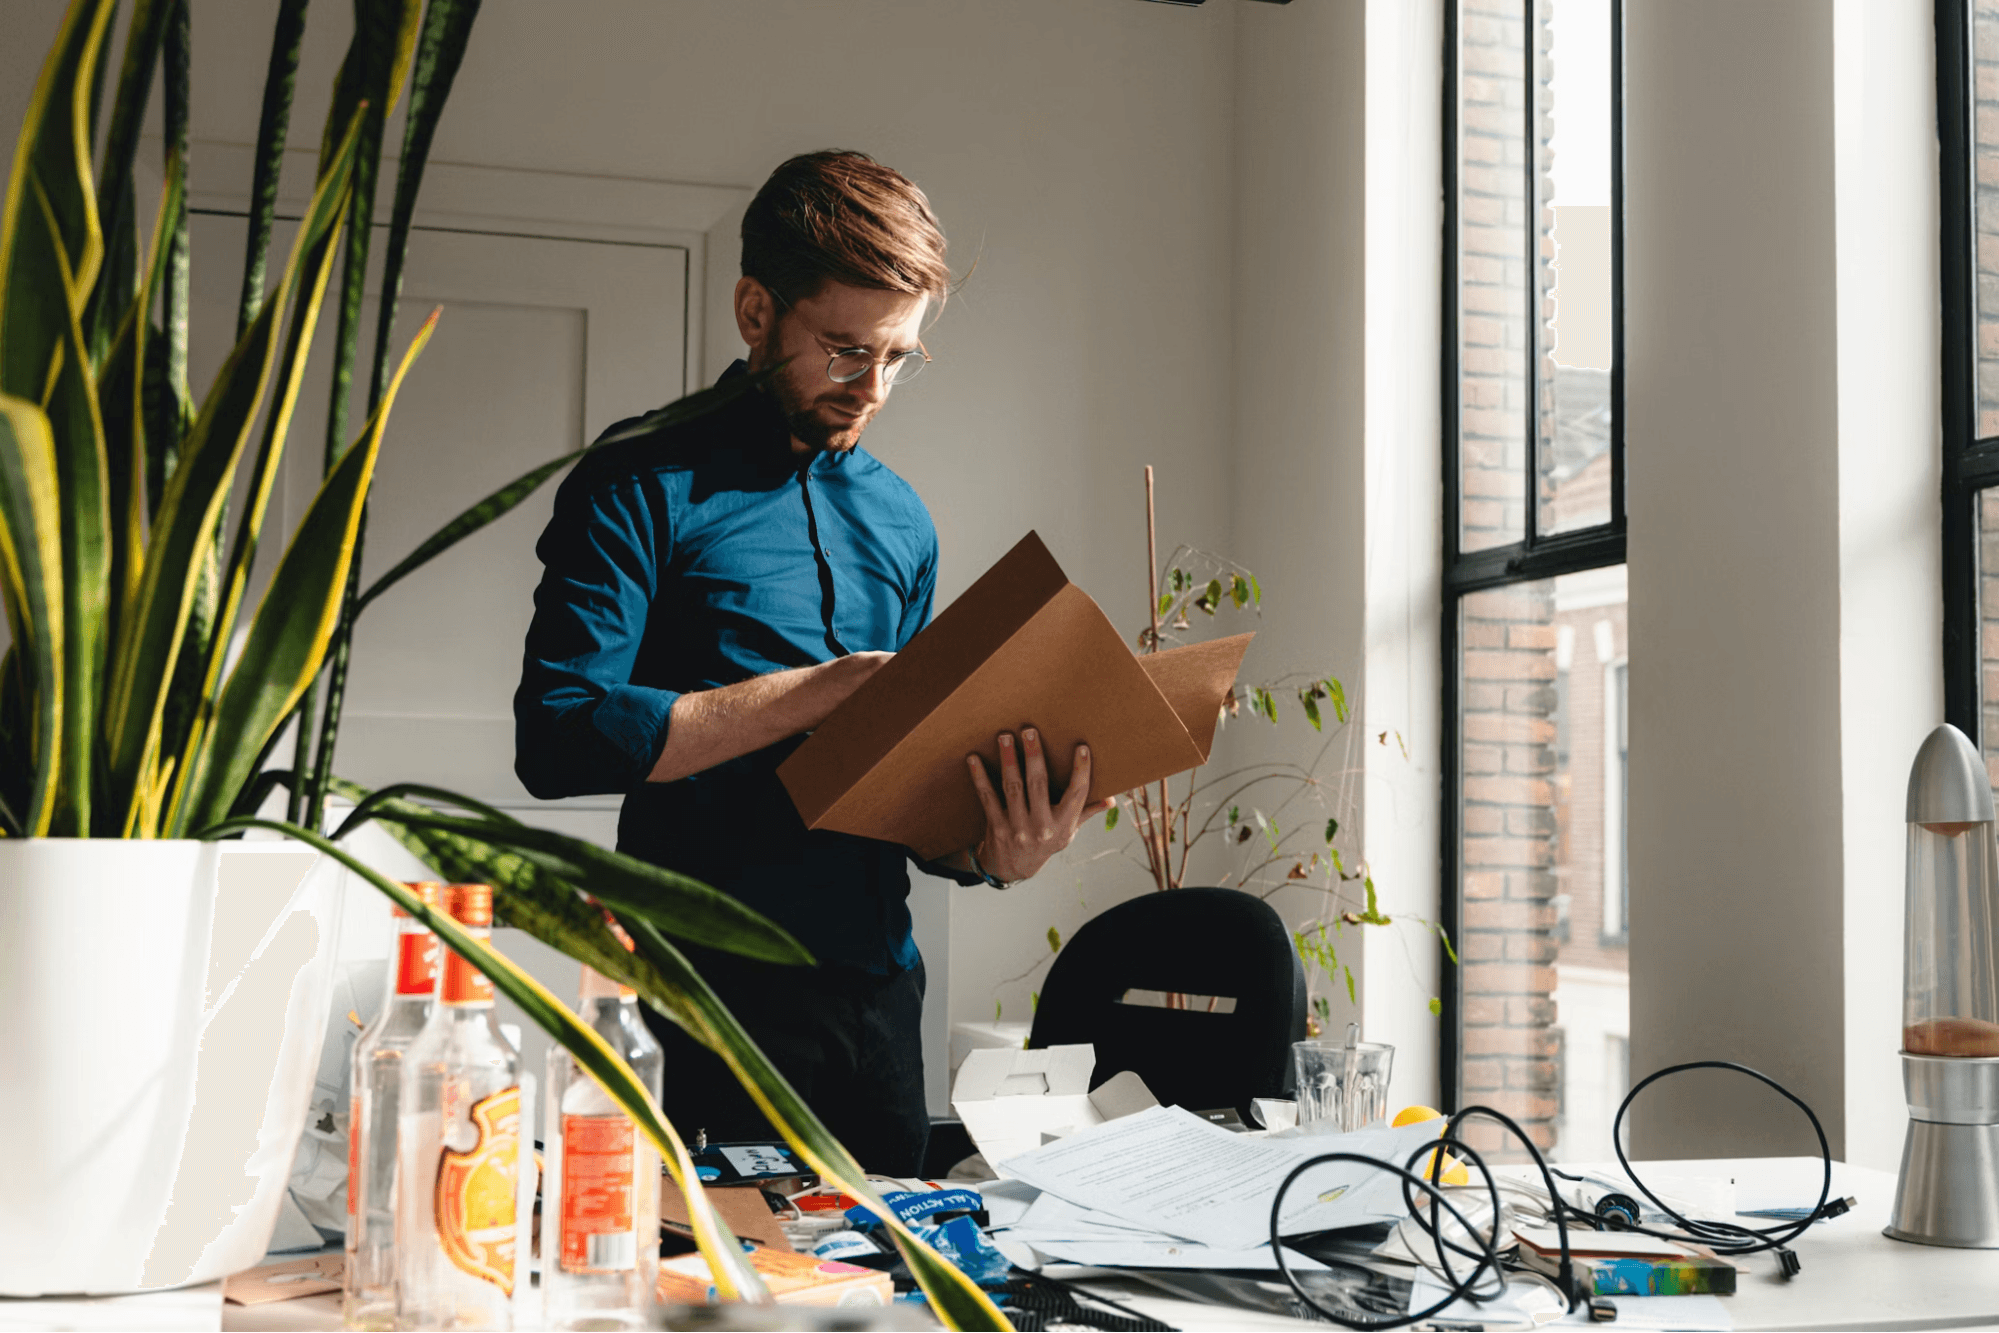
[{"x": 1022, "y": 830}]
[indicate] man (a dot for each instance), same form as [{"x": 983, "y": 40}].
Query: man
[{"x": 711, "y": 592}]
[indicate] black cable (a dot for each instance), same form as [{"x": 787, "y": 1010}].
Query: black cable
[
  {"x": 1724, "y": 1238},
  {"x": 1489, "y": 1258}
]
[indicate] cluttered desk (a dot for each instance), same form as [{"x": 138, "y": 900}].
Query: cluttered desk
[{"x": 1121, "y": 1214}]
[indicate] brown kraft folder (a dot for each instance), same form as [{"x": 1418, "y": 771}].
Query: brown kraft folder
[{"x": 1023, "y": 647}]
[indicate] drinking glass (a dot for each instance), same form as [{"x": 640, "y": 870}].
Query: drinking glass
[{"x": 1344, "y": 1085}]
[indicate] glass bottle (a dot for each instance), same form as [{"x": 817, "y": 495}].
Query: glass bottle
[
  {"x": 461, "y": 1150},
  {"x": 369, "y": 1299},
  {"x": 600, "y": 1201}
]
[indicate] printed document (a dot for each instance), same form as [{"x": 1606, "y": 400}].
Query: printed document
[{"x": 1167, "y": 1170}]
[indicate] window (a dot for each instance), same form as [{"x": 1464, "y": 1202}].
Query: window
[
  {"x": 1968, "y": 200},
  {"x": 1533, "y": 618}
]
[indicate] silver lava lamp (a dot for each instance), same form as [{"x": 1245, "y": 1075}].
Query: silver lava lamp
[{"x": 1949, "y": 1191}]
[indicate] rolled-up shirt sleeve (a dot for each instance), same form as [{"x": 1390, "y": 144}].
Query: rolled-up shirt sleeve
[{"x": 581, "y": 727}]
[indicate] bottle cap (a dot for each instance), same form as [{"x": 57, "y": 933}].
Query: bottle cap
[
  {"x": 471, "y": 904},
  {"x": 425, "y": 890}
]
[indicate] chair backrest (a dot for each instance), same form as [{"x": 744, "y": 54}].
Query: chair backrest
[{"x": 1200, "y": 942}]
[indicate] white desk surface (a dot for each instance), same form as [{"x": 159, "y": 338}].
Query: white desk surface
[{"x": 1853, "y": 1278}]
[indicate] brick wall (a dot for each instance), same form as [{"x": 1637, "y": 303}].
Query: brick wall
[
  {"x": 1985, "y": 174},
  {"x": 1507, "y": 684}
]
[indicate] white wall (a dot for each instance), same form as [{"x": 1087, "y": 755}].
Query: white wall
[
  {"x": 1785, "y": 587},
  {"x": 1891, "y": 632}
]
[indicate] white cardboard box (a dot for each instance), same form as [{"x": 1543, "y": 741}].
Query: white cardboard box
[{"x": 1013, "y": 1101}]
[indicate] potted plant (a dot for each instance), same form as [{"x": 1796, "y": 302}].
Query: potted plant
[
  {"x": 1280, "y": 821},
  {"x": 162, "y": 1002}
]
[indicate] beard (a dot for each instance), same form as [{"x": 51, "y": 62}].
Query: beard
[{"x": 812, "y": 417}]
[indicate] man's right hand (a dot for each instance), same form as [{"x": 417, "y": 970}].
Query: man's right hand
[{"x": 710, "y": 727}]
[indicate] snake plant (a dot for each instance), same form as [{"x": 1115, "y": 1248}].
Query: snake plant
[{"x": 123, "y": 712}]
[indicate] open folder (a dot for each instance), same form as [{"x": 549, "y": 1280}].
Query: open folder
[{"x": 1023, "y": 647}]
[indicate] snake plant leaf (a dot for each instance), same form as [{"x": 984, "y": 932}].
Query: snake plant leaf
[
  {"x": 77, "y": 429},
  {"x": 273, "y": 124},
  {"x": 550, "y": 908},
  {"x": 39, "y": 296},
  {"x": 734, "y": 1279},
  {"x": 176, "y": 60},
  {"x": 117, "y": 206},
  {"x": 447, "y": 27},
  {"x": 690, "y": 1002},
  {"x": 288, "y": 635},
  {"x": 31, "y": 578},
  {"x": 233, "y": 583},
  {"x": 150, "y": 640},
  {"x": 385, "y": 33},
  {"x": 121, "y": 395},
  {"x": 504, "y": 500},
  {"x": 677, "y": 903}
]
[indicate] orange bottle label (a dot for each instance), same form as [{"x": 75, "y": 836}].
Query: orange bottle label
[
  {"x": 416, "y": 963},
  {"x": 464, "y": 983},
  {"x": 597, "y": 1169},
  {"x": 353, "y": 1156},
  {"x": 475, "y": 1192}
]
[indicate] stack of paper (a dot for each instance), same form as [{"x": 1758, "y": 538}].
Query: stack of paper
[{"x": 1165, "y": 1189}]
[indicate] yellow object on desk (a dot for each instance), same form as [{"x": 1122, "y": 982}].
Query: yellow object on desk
[{"x": 1454, "y": 1172}]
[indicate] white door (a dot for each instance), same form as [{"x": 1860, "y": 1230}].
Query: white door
[{"x": 544, "y": 341}]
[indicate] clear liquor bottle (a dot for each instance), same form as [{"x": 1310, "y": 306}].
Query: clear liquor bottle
[
  {"x": 461, "y": 1151},
  {"x": 369, "y": 1299},
  {"x": 600, "y": 1200}
]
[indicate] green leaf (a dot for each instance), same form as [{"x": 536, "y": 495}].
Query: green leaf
[
  {"x": 1054, "y": 940},
  {"x": 31, "y": 578},
  {"x": 1339, "y": 695},
  {"x": 1239, "y": 591},
  {"x": 273, "y": 125},
  {"x": 546, "y": 906},
  {"x": 77, "y": 429},
  {"x": 184, "y": 529},
  {"x": 734, "y": 1278},
  {"x": 1034, "y": 1001},
  {"x": 288, "y": 636},
  {"x": 1436, "y": 1007},
  {"x": 440, "y": 47},
  {"x": 1311, "y": 708},
  {"x": 1332, "y": 829},
  {"x": 117, "y": 209},
  {"x": 1255, "y": 591},
  {"x": 1165, "y": 602},
  {"x": 1235, "y": 815},
  {"x": 176, "y": 62},
  {"x": 678, "y": 904},
  {"x": 1212, "y": 598},
  {"x": 1351, "y": 997},
  {"x": 999, "y": 1011},
  {"x": 44, "y": 269},
  {"x": 385, "y": 35},
  {"x": 1111, "y": 817}
]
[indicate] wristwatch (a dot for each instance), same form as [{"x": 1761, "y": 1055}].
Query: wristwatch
[{"x": 972, "y": 855}]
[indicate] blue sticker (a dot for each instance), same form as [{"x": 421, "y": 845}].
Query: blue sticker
[{"x": 708, "y": 1172}]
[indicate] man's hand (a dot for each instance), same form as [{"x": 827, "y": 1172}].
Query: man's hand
[{"x": 1022, "y": 830}]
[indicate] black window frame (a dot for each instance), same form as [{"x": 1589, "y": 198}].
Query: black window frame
[
  {"x": 1537, "y": 555},
  {"x": 1970, "y": 464}
]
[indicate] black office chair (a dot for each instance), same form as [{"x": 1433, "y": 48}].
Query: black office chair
[{"x": 1198, "y": 942}]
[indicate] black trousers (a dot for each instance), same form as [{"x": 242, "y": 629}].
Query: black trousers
[{"x": 849, "y": 1042}]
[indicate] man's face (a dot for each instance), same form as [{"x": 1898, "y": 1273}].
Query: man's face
[{"x": 825, "y": 416}]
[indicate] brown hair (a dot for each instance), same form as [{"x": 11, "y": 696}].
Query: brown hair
[{"x": 841, "y": 216}]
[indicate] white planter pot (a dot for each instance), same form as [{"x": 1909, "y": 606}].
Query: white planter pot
[{"x": 162, "y": 1006}]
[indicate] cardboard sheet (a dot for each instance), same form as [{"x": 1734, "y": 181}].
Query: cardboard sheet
[
  {"x": 1022, "y": 647},
  {"x": 1013, "y": 1101}
]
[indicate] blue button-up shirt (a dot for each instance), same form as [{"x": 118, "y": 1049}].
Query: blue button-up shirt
[{"x": 694, "y": 557}]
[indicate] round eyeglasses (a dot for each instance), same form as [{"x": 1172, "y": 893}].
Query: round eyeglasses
[
  {"x": 844, "y": 365},
  {"x": 850, "y": 364}
]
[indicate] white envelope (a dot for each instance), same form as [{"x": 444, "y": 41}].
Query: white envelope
[{"x": 1013, "y": 1101}]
